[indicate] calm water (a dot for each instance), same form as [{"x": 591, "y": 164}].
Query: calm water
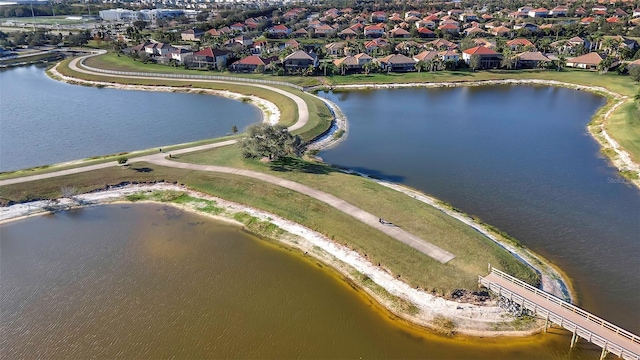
[
  {"x": 44, "y": 121},
  {"x": 147, "y": 281},
  {"x": 520, "y": 158}
]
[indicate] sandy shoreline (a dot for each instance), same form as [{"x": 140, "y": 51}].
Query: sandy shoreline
[{"x": 470, "y": 319}]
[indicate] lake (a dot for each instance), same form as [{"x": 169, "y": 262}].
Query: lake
[
  {"x": 151, "y": 281},
  {"x": 44, "y": 121},
  {"x": 519, "y": 158}
]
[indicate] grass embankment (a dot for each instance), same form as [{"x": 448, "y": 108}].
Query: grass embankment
[
  {"x": 428, "y": 223},
  {"x": 472, "y": 250},
  {"x": 111, "y": 61},
  {"x": 319, "y": 115},
  {"x": 624, "y": 126},
  {"x": 614, "y": 82}
]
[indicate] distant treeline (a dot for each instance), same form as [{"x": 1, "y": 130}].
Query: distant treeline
[{"x": 48, "y": 10}]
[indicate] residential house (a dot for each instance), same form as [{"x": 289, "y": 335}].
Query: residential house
[
  {"x": 353, "y": 63},
  {"x": 412, "y": 13},
  {"x": 208, "y": 58},
  {"x": 449, "y": 56},
  {"x": 619, "y": 13},
  {"x": 580, "y": 12},
  {"x": 375, "y": 44},
  {"x": 279, "y": 31},
  {"x": 487, "y": 57},
  {"x": 538, "y": 13},
  {"x": 527, "y": 26},
  {"x": 300, "y": 33},
  {"x": 486, "y": 43},
  {"x": 158, "y": 49},
  {"x": 588, "y": 61},
  {"x": 475, "y": 31},
  {"x": 449, "y": 29},
  {"x": 348, "y": 33},
  {"x": 237, "y": 27},
  {"x": 587, "y": 20},
  {"x": 531, "y": 59},
  {"x": 180, "y": 54},
  {"x": 500, "y": 31},
  {"x": 300, "y": 61},
  {"x": 191, "y": 35},
  {"x": 378, "y": 16},
  {"x": 426, "y": 24},
  {"x": 426, "y": 55},
  {"x": 323, "y": 30},
  {"x": 399, "y": 33},
  {"x": 397, "y": 63},
  {"x": 468, "y": 17},
  {"x": 423, "y": 32},
  {"x": 251, "y": 64},
  {"x": 441, "y": 44},
  {"x": 292, "y": 44},
  {"x": 373, "y": 31},
  {"x": 519, "y": 43},
  {"x": 243, "y": 40},
  {"x": 636, "y": 12},
  {"x": 335, "y": 48},
  {"x": 559, "y": 11}
]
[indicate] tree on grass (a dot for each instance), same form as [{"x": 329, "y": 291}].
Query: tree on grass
[
  {"x": 634, "y": 72},
  {"x": 234, "y": 129},
  {"x": 271, "y": 141},
  {"x": 474, "y": 62}
]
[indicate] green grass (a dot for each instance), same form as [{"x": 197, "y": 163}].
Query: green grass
[
  {"x": 472, "y": 250},
  {"x": 624, "y": 126},
  {"x": 34, "y": 58},
  {"x": 112, "y": 61},
  {"x": 319, "y": 114},
  {"x": 611, "y": 81}
]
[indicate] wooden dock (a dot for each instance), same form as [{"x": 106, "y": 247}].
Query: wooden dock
[{"x": 611, "y": 338}]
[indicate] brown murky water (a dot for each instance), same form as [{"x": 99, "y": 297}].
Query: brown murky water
[{"x": 149, "y": 281}]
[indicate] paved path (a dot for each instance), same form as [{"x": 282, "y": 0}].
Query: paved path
[
  {"x": 303, "y": 109},
  {"x": 397, "y": 233}
]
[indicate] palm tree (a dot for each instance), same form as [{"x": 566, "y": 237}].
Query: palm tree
[
  {"x": 561, "y": 62},
  {"x": 419, "y": 66},
  {"x": 507, "y": 58}
]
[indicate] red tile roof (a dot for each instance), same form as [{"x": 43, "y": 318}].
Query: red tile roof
[{"x": 480, "y": 50}]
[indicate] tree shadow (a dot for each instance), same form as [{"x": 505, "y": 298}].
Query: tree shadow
[
  {"x": 298, "y": 165},
  {"x": 143, "y": 169}
]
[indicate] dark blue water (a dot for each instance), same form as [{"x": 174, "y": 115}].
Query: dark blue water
[
  {"x": 43, "y": 121},
  {"x": 520, "y": 158}
]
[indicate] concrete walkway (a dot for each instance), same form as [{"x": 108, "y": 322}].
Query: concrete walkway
[
  {"x": 397, "y": 233},
  {"x": 303, "y": 109}
]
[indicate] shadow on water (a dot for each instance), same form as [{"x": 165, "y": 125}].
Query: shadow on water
[
  {"x": 299, "y": 165},
  {"x": 377, "y": 174}
]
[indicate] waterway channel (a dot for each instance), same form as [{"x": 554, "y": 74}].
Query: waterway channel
[{"x": 44, "y": 121}]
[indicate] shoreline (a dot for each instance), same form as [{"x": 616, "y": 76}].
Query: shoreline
[{"x": 469, "y": 319}]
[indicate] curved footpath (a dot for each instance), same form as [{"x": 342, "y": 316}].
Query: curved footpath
[{"x": 399, "y": 234}]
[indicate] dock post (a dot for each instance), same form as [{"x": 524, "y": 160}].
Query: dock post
[
  {"x": 604, "y": 351},
  {"x": 574, "y": 339},
  {"x": 546, "y": 322}
]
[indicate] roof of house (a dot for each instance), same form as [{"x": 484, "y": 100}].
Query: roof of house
[
  {"x": 426, "y": 55},
  {"x": 519, "y": 42},
  {"x": 443, "y": 42},
  {"x": 500, "y": 29},
  {"x": 532, "y": 56},
  {"x": 211, "y": 52},
  {"x": 348, "y": 31},
  {"x": 397, "y": 59},
  {"x": 300, "y": 55},
  {"x": 252, "y": 60},
  {"x": 480, "y": 50},
  {"x": 592, "y": 58},
  {"x": 280, "y": 27},
  {"x": 399, "y": 32},
  {"x": 424, "y": 30}
]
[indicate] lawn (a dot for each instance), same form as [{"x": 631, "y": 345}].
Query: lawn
[
  {"x": 472, "y": 250},
  {"x": 624, "y": 126},
  {"x": 416, "y": 217},
  {"x": 112, "y": 61},
  {"x": 319, "y": 114},
  {"x": 612, "y": 81}
]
